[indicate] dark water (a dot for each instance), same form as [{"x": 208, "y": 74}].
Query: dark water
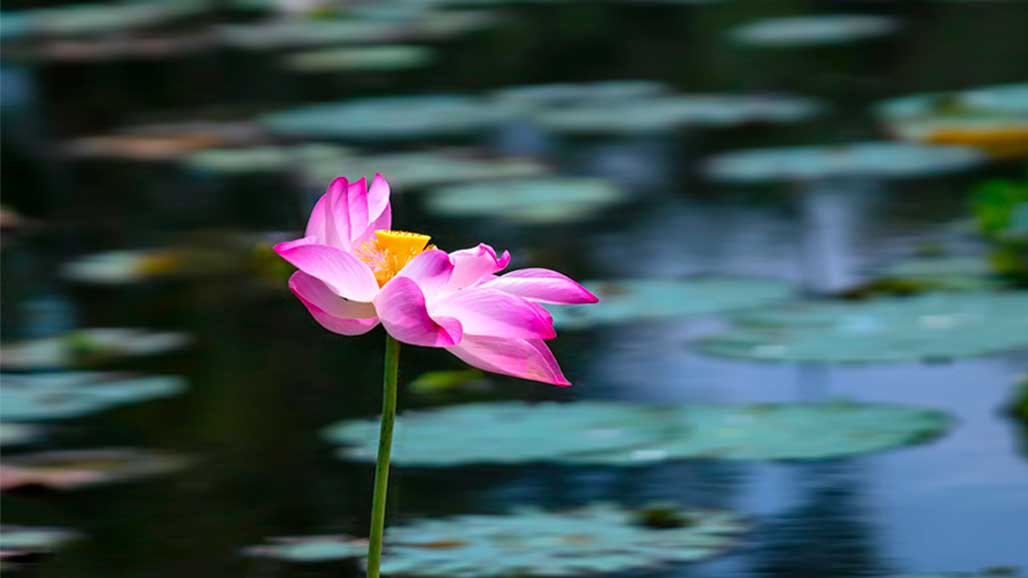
[{"x": 264, "y": 378}]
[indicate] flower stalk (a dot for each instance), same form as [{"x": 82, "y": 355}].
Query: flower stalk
[{"x": 385, "y": 443}]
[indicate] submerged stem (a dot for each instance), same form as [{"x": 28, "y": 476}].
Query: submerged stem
[{"x": 385, "y": 442}]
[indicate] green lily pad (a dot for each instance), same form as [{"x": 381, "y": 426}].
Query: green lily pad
[
  {"x": 803, "y": 31},
  {"x": 932, "y": 326},
  {"x": 278, "y": 34},
  {"x": 882, "y": 160},
  {"x": 12, "y": 434},
  {"x": 424, "y": 169},
  {"x": 147, "y": 265},
  {"x": 527, "y": 201},
  {"x": 382, "y": 58},
  {"x": 90, "y": 19},
  {"x": 626, "y": 434},
  {"x": 993, "y": 119},
  {"x": 85, "y": 346},
  {"x": 946, "y": 273},
  {"x": 595, "y": 539},
  {"x": 74, "y": 469},
  {"x": 45, "y": 396},
  {"x": 505, "y": 433},
  {"x": 659, "y": 114},
  {"x": 538, "y": 96},
  {"x": 264, "y": 159},
  {"x": 311, "y": 548},
  {"x": 442, "y": 382},
  {"x": 634, "y": 300},
  {"x": 390, "y": 118},
  {"x": 25, "y": 541}
]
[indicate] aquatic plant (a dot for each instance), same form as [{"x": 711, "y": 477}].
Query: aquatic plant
[
  {"x": 1001, "y": 211},
  {"x": 356, "y": 272},
  {"x": 628, "y": 434},
  {"x": 595, "y": 539}
]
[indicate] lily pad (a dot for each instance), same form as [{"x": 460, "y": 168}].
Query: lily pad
[
  {"x": 65, "y": 395},
  {"x": 144, "y": 265},
  {"x": 634, "y": 300},
  {"x": 23, "y": 541},
  {"x": 503, "y": 433},
  {"x": 595, "y": 539},
  {"x": 527, "y": 201},
  {"x": 90, "y": 19},
  {"x": 164, "y": 142},
  {"x": 660, "y": 114},
  {"x": 822, "y": 30},
  {"x": 390, "y": 118},
  {"x": 882, "y": 160},
  {"x": 12, "y": 434},
  {"x": 623, "y": 434},
  {"x": 382, "y": 58},
  {"x": 87, "y": 346},
  {"x": 297, "y": 32},
  {"x": 932, "y": 326},
  {"x": 946, "y": 273},
  {"x": 74, "y": 469},
  {"x": 993, "y": 119},
  {"x": 311, "y": 548},
  {"x": 424, "y": 169},
  {"x": 264, "y": 159},
  {"x": 532, "y": 97}
]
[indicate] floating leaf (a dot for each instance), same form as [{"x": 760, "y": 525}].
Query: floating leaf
[
  {"x": 587, "y": 541},
  {"x": 435, "y": 382},
  {"x": 202, "y": 259},
  {"x": 391, "y": 118},
  {"x": 88, "y": 19},
  {"x": 660, "y": 114},
  {"x": 381, "y": 58},
  {"x": 631, "y": 434},
  {"x": 86, "y": 346},
  {"x": 423, "y": 169},
  {"x": 822, "y": 30},
  {"x": 926, "y": 327},
  {"x": 946, "y": 273},
  {"x": 530, "y": 201},
  {"x": 73, "y": 469},
  {"x": 882, "y": 160},
  {"x": 63, "y": 395},
  {"x": 542, "y": 96},
  {"x": 164, "y": 142},
  {"x": 17, "y": 542},
  {"x": 12, "y": 434},
  {"x": 633, "y": 300},
  {"x": 311, "y": 548},
  {"x": 300, "y": 32},
  {"x": 993, "y": 119}
]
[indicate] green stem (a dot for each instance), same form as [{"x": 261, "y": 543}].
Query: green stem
[{"x": 385, "y": 444}]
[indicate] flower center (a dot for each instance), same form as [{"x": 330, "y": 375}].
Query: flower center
[{"x": 388, "y": 251}]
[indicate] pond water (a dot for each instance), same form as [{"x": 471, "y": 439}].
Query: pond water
[{"x": 264, "y": 380}]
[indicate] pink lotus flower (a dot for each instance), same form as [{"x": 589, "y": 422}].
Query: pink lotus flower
[{"x": 355, "y": 272}]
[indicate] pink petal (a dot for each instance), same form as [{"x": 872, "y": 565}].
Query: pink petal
[
  {"x": 380, "y": 212},
  {"x": 431, "y": 270},
  {"x": 378, "y": 198},
  {"x": 330, "y": 310},
  {"x": 357, "y": 205},
  {"x": 524, "y": 358},
  {"x": 471, "y": 265},
  {"x": 401, "y": 307},
  {"x": 487, "y": 312},
  {"x": 346, "y": 275},
  {"x": 542, "y": 285},
  {"x": 337, "y": 216}
]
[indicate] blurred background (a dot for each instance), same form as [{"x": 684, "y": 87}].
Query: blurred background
[{"x": 807, "y": 222}]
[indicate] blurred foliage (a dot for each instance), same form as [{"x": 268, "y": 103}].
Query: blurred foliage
[{"x": 1001, "y": 211}]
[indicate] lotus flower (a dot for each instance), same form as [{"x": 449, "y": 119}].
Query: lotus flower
[{"x": 356, "y": 272}]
